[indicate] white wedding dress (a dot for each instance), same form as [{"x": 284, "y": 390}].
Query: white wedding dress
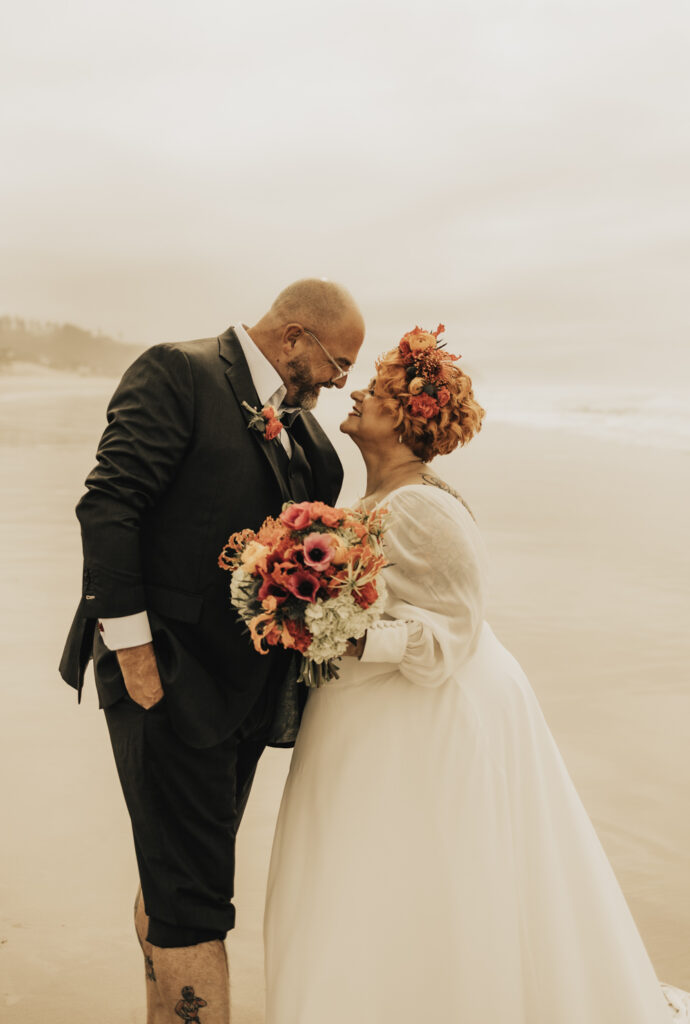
[{"x": 432, "y": 862}]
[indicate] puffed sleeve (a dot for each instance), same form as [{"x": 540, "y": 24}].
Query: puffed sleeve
[{"x": 436, "y": 589}]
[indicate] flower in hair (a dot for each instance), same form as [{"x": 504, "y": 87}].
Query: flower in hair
[
  {"x": 425, "y": 365},
  {"x": 424, "y": 405}
]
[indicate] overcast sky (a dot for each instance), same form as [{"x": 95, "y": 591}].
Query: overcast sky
[{"x": 518, "y": 170}]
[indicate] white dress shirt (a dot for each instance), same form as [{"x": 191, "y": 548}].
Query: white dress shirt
[{"x": 134, "y": 630}]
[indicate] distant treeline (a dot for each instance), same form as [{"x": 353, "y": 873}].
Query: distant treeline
[{"x": 62, "y": 347}]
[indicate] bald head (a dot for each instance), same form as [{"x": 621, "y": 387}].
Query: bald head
[
  {"x": 311, "y": 335},
  {"x": 316, "y": 303}
]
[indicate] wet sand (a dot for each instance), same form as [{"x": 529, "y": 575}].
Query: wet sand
[{"x": 589, "y": 546}]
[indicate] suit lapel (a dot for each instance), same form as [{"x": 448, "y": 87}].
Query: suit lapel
[{"x": 240, "y": 380}]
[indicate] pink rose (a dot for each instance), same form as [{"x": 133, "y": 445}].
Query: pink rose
[{"x": 297, "y": 517}]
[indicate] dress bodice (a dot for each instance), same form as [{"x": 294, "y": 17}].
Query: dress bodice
[{"x": 436, "y": 590}]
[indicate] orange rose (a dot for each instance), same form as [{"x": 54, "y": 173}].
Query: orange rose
[
  {"x": 424, "y": 405},
  {"x": 273, "y": 428},
  {"x": 421, "y": 342},
  {"x": 326, "y": 514},
  {"x": 273, "y": 425}
]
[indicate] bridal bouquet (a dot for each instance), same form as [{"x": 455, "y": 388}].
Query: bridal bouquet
[{"x": 309, "y": 580}]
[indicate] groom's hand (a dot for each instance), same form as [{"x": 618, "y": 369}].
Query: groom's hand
[{"x": 140, "y": 673}]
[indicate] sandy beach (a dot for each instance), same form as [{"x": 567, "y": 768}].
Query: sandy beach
[{"x": 589, "y": 549}]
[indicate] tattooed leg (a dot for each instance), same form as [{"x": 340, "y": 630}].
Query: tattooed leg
[
  {"x": 189, "y": 1005},
  {"x": 154, "y": 1004},
  {"x": 193, "y": 982},
  {"x": 150, "y": 973}
]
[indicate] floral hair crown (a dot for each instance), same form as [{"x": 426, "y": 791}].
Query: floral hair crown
[{"x": 426, "y": 366}]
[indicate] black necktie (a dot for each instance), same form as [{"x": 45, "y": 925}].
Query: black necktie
[{"x": 299, "y": 473}]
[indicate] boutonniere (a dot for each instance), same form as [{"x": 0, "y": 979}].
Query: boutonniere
[{"x": 266, "y": 421}]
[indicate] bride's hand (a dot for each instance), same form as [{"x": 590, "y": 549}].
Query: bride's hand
[{"x": 355, "y": 647}]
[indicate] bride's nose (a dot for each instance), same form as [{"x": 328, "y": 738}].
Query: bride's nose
[{"x": 357, "y": 395}]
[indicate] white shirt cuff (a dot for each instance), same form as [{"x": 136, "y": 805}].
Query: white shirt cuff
[
  {"x": 386, "y": 641},
  {"x": 126, "y": 631}
]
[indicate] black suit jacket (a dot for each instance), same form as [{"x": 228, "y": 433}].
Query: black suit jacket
[{"x": 177, "y": 471}]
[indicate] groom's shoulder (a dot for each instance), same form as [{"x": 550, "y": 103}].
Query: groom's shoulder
[
  {"x": 199, "y": 353},
  {"x": 197, "y": 350}
]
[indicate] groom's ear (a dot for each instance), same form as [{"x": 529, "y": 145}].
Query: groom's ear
[{"x": 290, "y": 336}]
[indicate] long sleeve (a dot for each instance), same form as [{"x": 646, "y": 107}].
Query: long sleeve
[
  {"x": 150, "y": 422},
  {"x": 436, "y": 591}
]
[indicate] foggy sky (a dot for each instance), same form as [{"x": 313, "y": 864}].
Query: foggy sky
[{"x": 518, "y": 170}]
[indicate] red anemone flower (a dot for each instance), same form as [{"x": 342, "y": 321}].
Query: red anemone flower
[{"x": 303, "y": 585}]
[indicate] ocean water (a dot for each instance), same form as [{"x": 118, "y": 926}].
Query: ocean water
[
  {"x": 636, "y": 416},
  {"x": 69, "y": 408}
]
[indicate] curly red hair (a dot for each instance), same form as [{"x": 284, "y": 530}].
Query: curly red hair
[{"x": 456, "y": 422}]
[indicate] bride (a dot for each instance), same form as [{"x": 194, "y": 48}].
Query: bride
[{"x": 432, "y": 860}]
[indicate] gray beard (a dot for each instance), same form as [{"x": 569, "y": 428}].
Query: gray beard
[
  {"x": 308, "y": 399},
  {"x": 306, "y": 395}
]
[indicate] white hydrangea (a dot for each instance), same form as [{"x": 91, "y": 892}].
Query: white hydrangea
[
  {"x": 243, "y": 589},
  {"x": 333, "y": 622}
]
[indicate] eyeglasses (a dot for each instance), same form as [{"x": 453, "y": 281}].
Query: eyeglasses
[{"x": 342, "y": 372}]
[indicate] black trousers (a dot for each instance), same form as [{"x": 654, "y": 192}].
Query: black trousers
[{"x": 185, "y": 805}]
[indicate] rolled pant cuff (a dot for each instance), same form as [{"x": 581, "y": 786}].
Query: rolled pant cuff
[{"x": 174, "y": 936}]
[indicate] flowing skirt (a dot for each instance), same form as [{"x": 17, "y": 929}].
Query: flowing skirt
[{"x": 433, "y": 862}]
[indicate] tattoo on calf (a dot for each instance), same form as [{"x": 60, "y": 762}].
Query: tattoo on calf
[{"x": 189, "y": 1005}]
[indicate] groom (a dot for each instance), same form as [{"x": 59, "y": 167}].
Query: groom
[{"x": 189, "y": 705}]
